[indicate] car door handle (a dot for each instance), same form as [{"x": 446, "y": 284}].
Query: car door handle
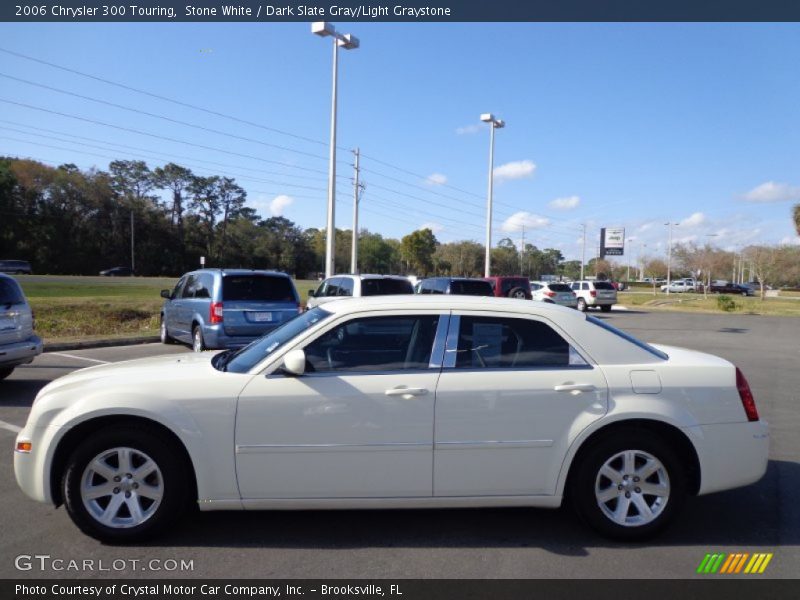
[
  {"x": 575, "y": 387},
  {"x": 406, "y": 392}
]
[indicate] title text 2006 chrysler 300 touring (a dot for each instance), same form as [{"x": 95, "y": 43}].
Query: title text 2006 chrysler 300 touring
[{"x": 412, "y": 401}]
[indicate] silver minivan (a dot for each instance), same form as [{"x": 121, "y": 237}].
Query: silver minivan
[
  {"x": 226, "y": 308},
  {"x": 18, "y": 344}
]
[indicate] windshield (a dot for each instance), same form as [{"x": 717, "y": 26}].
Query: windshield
[
  {"x": 385, "y": 287},
  {"x": 246, "y": 358},
  {"x": 10, "y": 292}
]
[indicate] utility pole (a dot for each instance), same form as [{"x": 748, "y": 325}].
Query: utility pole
[
  {"x": 356, "y": 194},
  {"x": 522, "y": 247},
  {"x": 669, "y": 256},
  {"x": 583, "y": 251},
  {"x": 133, "y": 260}
]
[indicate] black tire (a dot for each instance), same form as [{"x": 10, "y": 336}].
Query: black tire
[
  {"x": 5, "y": 372},
  {"x": 606, "y": 308},
  {"x": 517, "y": 292},
  {"x": 198, "y": 343},
  {"x": 582, "y": 306},
  {"x": 586, "y": 475},
  {"x": 166, "y": 338},
  {"x": 174, "y": 474}
]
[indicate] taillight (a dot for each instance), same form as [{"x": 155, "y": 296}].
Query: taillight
[
  {"x": 215, "y": 313},
  {"x": 748, "y": 402},
  {"x": 550, "y": 294},
  {"x": 593, "y": 293}
]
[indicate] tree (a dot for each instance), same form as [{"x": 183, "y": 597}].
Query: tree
[
  {"x": 205, "y": 202},
  {"x": 763, "y": 264},
  {"x": 796, "y": 218},
  {"x": 177, "y": 180},
  {"x": 463, "y": 259},
  {"x": 417, "y": 250},
  {"x": 231, "y": 198}
]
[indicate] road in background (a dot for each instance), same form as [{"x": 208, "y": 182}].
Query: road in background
[{"x": 484, "y": 543}]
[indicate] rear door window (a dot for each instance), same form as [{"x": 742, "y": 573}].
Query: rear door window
[
  {"x": 470, "y": 288},
  {"x": 257, "y": 288}
]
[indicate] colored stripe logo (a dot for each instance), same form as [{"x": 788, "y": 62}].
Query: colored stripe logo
[{"x": 738, "y": 562}]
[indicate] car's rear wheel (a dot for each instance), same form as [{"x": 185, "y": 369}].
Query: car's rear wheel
[
  {"x": 125, "y": 484},
  {"x": 628, "y": 486},
  {"x": 516, "y": 293},
  {"x": 198, "y": 344},
  {"x": 582, "y": 305},
  {"x": 606, "y": 308},
  {"x": 6, "y": 372}
]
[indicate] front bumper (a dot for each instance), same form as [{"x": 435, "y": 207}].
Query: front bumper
[
  {"x": 731, "y": 454},
  {"x": 20, "y": 353}
]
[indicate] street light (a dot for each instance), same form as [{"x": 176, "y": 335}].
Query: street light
[
  {"x": 495, "y": 124},
  {"x": 669, "y": 255},
  {"x": 348, "y": 42}
]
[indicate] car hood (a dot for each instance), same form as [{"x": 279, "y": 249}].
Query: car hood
[{"x": 135, "y": 372}]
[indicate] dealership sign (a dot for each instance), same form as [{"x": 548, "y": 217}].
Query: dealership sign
[{"x": 612, "y": 242}]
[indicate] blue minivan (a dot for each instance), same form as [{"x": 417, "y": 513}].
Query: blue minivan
[{"x": 226, "y": 308}]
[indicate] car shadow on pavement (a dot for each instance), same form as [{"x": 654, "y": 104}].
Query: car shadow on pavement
[{"x": 763, "y": 514}]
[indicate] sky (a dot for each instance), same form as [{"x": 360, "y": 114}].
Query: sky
[{"x": 607, "y": 125}]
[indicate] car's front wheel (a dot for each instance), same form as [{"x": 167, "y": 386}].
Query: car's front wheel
[
  {"x": 164, "y": 333},
  {"x": 628, "y": 486},
  {"x": 125, "y": 484},
  {"x": 518, "y": 293}
]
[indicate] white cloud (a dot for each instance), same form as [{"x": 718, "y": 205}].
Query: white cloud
[
  {"x": 773, "y": 192},
  {"x": 524, "y": 219},
  {"x": 514, "y": 170},
  {"x": 436, "y": 179},
  {"x": 790, "y": 241},
  {"x": 693, "y": 220},
  {"x": 567, "y": 203},
  {"x": 468, "y": 129},
  {"x": 646, "y": 226},
  {"x": 434, "y": 227},
  {"x": 279, "y": 204}
]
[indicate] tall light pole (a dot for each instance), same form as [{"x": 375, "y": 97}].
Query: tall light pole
[
  {"x": 493, "y": 124},
  {"x": 348, "y": 42},
  {"x": 669, "y": 255},
  {"x": 356, "y": 194},
  {"x": 583, "y": 251}
]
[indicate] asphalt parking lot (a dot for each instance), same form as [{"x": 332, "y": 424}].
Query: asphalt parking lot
[{"x": 486, "y": 543}]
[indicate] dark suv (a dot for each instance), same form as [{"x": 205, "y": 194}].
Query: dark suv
[
  {"x": 226, "y": 308},
  {"x": 20, "y": 267},
  {"x": 510, "y": 287},
  {"x": 454, "y": 285}
]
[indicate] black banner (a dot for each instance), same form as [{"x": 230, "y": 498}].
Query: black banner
[{"x": 400, "y": 10}]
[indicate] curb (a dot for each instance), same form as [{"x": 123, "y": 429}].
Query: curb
[{"x": 131, "y": 341}]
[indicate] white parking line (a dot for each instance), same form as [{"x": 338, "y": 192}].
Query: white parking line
[
  {"x": 10, "y": 427},
  {"x": 102, "y": 362}
]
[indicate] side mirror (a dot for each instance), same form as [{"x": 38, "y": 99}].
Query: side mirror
[
  {"x": 166, "y": 294},
  {"x": 311, "y": 293},
  {"x": 294, "y": 363}
]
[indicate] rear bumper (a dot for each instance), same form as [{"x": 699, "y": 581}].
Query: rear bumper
[
  {"x": 731, "y": 454},
  {"x": 215, "y": 337},
  {"x": 20, "y": 353}
]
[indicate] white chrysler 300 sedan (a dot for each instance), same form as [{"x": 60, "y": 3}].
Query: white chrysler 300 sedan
[{"x": 412, "y": 401}]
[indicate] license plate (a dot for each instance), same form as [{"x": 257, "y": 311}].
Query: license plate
[
  {"x": 7, "y": 324},
  {"x": 263, "y": 317}
]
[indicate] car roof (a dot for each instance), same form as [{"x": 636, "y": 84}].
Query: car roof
[
  {"x": 242, "y": 272},
  {"x": 369, "y": 276},
  {"x": 452, "y": 302}
]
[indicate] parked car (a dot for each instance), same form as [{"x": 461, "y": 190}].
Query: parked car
[
  {"x": 732, "y": 289},
  {"x": 678, "y": 287},
  {"x": 510, "y": 287},
  {"x": 594, "y": 294},
  {"x": 19, "y": 345},
  {"x": 18, "y": 267},
  {"x": 454, "y": 285},
  {"x": 117, "y": 272},
  {"x": 357, "y": 286},
  {"x": 554, "y": 293},
  {"x": 534, "y": 403},
  {"x": 226, "y": 308}
]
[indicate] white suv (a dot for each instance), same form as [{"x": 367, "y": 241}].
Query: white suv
[
  {"x": 599, "y": 294},
  {"x": 553, "y": 292},
  {"x": 340, "y": 286}
]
